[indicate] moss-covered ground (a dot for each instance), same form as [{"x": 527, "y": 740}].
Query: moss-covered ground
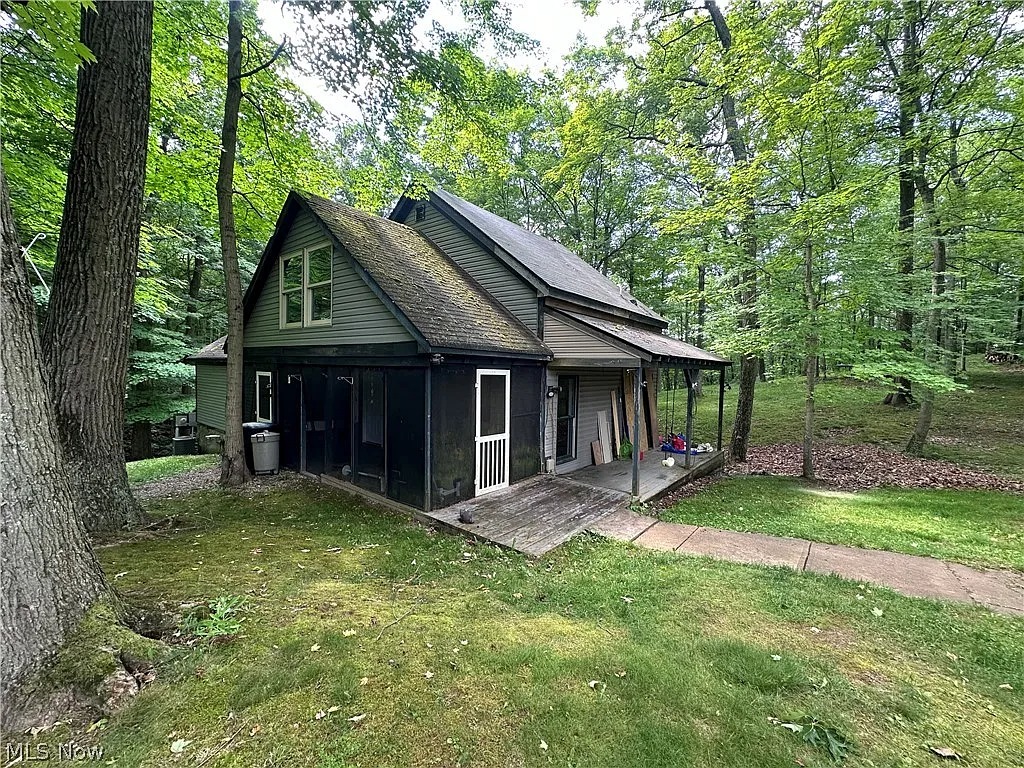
[{"x": 368, "y": 640}]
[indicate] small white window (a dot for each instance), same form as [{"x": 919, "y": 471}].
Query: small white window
[{"x": 264, "y": 396}]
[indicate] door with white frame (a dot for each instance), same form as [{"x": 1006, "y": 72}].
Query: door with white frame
[{"x": 492, "y": 429}]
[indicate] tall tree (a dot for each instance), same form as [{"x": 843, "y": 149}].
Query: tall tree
[
  {"x": 88, "y": 329},
  {"x": 233, "y": 469},
  {"x": 49, "y": 575}
]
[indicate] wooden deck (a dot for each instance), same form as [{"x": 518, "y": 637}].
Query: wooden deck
[
  {"x": 534, "y": 516},
  {"x": 655, "y": 479}
]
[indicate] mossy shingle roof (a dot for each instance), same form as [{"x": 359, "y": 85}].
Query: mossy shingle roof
[
  {"x": 211, "y": 353},
  {"x": 439, "y": 298}
]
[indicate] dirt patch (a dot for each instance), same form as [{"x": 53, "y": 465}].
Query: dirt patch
[
  {"x": 196, "y": 479},
  {"x": 859, "y": 467}
]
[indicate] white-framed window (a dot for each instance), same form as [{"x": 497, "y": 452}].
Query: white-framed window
[
  {"x": 318, "y": 285},
  {"x": 264, "y": 396},
  {"x": 291, "y": 290},
  {"x": 306, "y": 287}
]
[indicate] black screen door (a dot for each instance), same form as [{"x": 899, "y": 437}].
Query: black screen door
[{"x": 314, "y": 390}]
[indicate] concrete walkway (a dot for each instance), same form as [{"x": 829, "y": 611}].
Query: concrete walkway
[{"x": 1000, "y": 591}]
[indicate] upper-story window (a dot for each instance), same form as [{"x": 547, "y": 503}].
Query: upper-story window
[{"x": 306, "y": 287}]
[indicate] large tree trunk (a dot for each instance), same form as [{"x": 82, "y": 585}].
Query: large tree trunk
[
  {"x": 750, "y": 364},
  {"x": 49, "y": 575},
  {"x": 936, "y": 349},
  {"x": 810, "y": 360},
  {"x": 233, "y": 470},
  {"x": 907, "y": 89},
  {"x": 88, "y": 329}
]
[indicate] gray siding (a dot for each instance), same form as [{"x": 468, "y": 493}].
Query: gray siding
[
  {"x": 567, "y": 341},
  {"x": 211, "y": 395},
  {"x": 594, "y": 396},
  {"x": 502, "y": 283},
  {"x": 357, "y": 315}
]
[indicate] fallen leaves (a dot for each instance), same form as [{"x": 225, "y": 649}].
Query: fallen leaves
[
  {"x": 858, "y": 467},
  {"x": 178, "y": 746},
  {"x": 946, "y": 753},
  {"x": 877, "y": 612}
]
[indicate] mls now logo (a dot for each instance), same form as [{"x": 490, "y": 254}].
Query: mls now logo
[{"x": 65, "y": 751}]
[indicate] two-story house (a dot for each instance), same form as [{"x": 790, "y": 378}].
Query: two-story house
[{"x": 442, "y": 353}]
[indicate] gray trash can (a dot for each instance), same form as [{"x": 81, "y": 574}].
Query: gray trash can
[
  {"x": 183, "y": 446},
  {"x": 266, "y": 452}
]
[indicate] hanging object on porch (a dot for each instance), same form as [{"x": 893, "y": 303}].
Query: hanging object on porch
[{"x": 672, "y": 441}]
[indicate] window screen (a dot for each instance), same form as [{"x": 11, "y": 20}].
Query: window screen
[{"x": 372, "y": 397}]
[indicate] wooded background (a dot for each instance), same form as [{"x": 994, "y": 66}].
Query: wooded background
[{"x": 794, "y": 184}]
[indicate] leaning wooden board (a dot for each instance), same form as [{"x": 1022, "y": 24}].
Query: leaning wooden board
[
  {"x": 598, "y": 453},
  {"x": 616, "y": 425},
  {"x": 604, "y": 432}
]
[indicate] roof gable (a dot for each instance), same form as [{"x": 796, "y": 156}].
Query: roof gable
[
  {"x": 439, "y": 302},
  {"x": 542, "y": 261}
]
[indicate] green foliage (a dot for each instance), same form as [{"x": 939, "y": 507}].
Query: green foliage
[
  {"x": 674, "y": 667},
  {"x": 219, "y": 618},
  {"x": 147, "y": 470},
  {"x": 980, "y": 528}
]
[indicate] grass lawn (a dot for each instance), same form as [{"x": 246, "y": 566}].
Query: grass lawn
[
  {"x": 975, "y": 527},
  {"x": 983, "y": 427},
  {"x": 370, "y": 641},
  {"x": 167, "y": 466}
]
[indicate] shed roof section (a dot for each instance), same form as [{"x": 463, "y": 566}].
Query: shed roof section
[
  {"x": 211, "y": 353},
  {"x": 439, "y": 298},
  {"x": 553, "y": 264},
  {"x": 652, "y": 345}
]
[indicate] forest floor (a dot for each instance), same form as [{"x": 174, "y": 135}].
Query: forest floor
[
  {"x": 981, "y": 427},
  {"x": 964, "y": 501},
  {"x": 366, "y": 639}
]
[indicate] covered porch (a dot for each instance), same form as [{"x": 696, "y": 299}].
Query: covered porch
[
  {"x": 651, "y": 414},
  {"x": 655, "y": 479}
]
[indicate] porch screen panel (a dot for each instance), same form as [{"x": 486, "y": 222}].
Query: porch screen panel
[
  {"x": 525, "y": 437},
  {"x": 453, "y": 429},
  {"x": 405, "y": 435}
]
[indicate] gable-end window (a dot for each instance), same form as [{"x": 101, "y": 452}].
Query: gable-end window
[
  {"x": 318, "y": 286},
  {"x": 306, "y": 287},
  {"x": 264, "y": 396},
  {"x": 291, "y": 291},
  {"x": 421, "y": 212}
]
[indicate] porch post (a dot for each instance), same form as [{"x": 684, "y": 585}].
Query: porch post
[
  {"x": 721, "y": 403},
  {"x": 428, "y": 475},
  {"x": 688, "y": 374},
  {"x": 636, "y": 429}
]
